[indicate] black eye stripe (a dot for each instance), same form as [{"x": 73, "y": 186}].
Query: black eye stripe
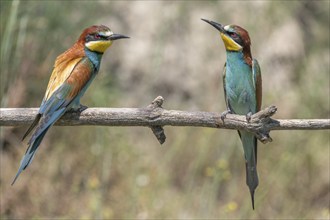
[
  {"x": 233, "y": 34},
  {"x": 235, "y": 37},
  {"x": 94, "y": 36}
]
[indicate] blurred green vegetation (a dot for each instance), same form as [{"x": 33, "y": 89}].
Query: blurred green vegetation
[{"x": 109, "y": 172}]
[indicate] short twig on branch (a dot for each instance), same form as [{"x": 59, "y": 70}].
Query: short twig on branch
[{"x": 155, "y": 117}]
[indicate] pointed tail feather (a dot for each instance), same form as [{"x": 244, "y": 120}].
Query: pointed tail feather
[
  {"x": 250, "y": 152},
  {"x": 29, "y": 155},
  {"x": 46, "y": 122},
  {"x": 252, "y": 181},
  {"x": 252, "y": 198}
]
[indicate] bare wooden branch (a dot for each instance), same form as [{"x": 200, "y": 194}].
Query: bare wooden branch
[{"x": 155, "y": 117}]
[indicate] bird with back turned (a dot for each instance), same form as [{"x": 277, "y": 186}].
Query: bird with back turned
[{"x": 73, "y": 72}]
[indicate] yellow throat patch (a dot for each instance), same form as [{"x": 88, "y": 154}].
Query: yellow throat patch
[
  {"x": 98, "y": 46},
  {"x": 230, "y": 44}
]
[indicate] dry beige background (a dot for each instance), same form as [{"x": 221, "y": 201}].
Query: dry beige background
[{"x": 107, "y": 172}]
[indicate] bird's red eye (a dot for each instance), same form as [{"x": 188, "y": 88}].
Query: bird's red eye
[
  {"x": 97, "y": 36},
  {"x": 233, "y": 34}
]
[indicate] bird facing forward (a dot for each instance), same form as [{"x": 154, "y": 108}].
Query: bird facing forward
[
  {"x": 73, "y": 72},
  {"x": 243, "y": 90}
]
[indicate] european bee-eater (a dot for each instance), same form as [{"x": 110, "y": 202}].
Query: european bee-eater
[
  {"x": 73, "y": 72},
  {"x": 243, "y": 90}
]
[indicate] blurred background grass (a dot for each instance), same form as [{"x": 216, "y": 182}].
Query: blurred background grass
[{"x": 107, "y": 172}]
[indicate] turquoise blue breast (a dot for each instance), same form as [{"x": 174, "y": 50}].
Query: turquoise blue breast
[
  {"x": 95, "y": 58},
  {"x": 240, "y": 89}
]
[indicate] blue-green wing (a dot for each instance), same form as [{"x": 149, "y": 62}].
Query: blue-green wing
[
  {"x": 257, "y": 82},
  {"x": 55, "y": 106},
  {"x": 224, "y": 87}
]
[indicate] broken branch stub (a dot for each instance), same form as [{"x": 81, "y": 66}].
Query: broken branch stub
[
  {"x": 263, "y": 119},
  {"x": 155, "y": 109}
]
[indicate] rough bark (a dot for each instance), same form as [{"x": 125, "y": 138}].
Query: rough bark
[{"x": 155, "y": 117}]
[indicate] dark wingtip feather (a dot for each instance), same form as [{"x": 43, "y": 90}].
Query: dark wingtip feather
[{"x": 34, "y": 123}]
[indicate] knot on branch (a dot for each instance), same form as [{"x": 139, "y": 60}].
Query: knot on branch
[
  {"x": 159, "y": 133},
  {"x": 156, "y": 103},
  {"x": 265, "y": 113},
  {"x": 155, "y": 109},
  {"x": 263, "y": 120}
]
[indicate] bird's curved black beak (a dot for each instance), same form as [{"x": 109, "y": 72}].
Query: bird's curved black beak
[
  {"x": 218, "y": 26},
  {"x": 116, "y": 37}
]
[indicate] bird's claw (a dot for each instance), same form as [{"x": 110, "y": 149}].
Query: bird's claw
[
  {"x": 224, "y": 114},
  {"x": 82, "y": 108},
  {"x": 79, "y": 108},
  {"x": 248, "y": 117}
]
